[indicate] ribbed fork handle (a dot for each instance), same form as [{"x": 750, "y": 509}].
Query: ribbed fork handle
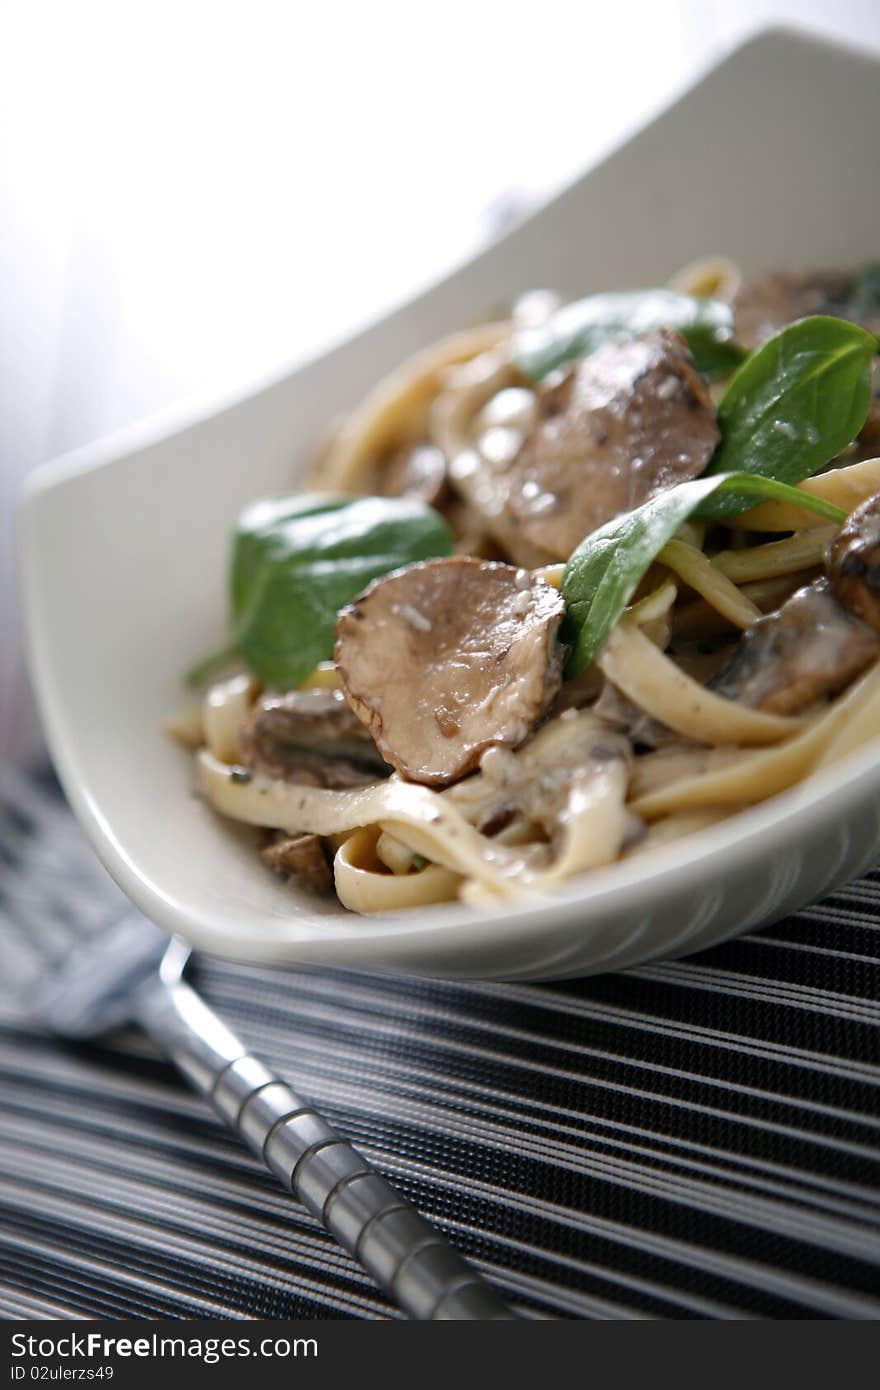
[{"x": 411, "y": 1261}]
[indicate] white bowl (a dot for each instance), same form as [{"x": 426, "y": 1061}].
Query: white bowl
[{"x": 768, "y": 159}]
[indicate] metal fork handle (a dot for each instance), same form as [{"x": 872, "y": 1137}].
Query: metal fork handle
[{"x": 410, "y": 1260}]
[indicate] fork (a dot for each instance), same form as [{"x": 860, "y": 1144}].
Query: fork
[{"x": 132, "y": 972}]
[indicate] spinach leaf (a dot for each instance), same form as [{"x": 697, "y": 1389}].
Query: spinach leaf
[
  {"x": 298, "y": 560},
  {"x": 266, "y": 531},
  {"x": 793, "y": 405},
  {"x": 578, "y": 329},
  {"x": 607, "y": 567}
]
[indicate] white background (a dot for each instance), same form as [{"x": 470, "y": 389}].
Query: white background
[{"x": 195, "y": 195}]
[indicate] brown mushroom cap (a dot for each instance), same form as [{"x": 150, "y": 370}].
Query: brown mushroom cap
[
  {"x": 854, "y": 562},
  {"x": 445, "y": 658},
  {"x": 809, "y": 648},
  {"x": 303, "y": 857},
  {"x": 417, "y": 471},
  {"x": 309, "y": 737},
  {"x": 766, "y": 303},
  {"x": 631, "y": 420}
]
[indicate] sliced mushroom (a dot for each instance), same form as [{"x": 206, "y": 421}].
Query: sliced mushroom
[
  {"x": 446, "y": 658},
  {"x": 854, "y": 562},
  {"x": 302, "y": 857},
  {"x": 311, "y": 737},
  {"x": 631, "y": 420},
  {"x": 643, "y": 730},
  {"x": 417, "y": 471},
  {"x": 765, "y": 304},
  {"x": 809, "y": 648}
]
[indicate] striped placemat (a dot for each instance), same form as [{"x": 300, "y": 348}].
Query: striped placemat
[{"x": 693, "y": 1139}]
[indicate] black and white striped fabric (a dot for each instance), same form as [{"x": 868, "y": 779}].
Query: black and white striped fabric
[{"x": 690, "y": 1140}]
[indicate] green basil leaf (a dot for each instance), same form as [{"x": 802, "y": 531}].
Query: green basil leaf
[
  {"x": 576, "y": 330},
  {"x": 607, "y": 567},
  {"x": 794, "y": 405},
  {"x": 298, "y": 560}
]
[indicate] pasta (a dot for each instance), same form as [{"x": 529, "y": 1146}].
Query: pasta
[{"x": 453, "y": 747}]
